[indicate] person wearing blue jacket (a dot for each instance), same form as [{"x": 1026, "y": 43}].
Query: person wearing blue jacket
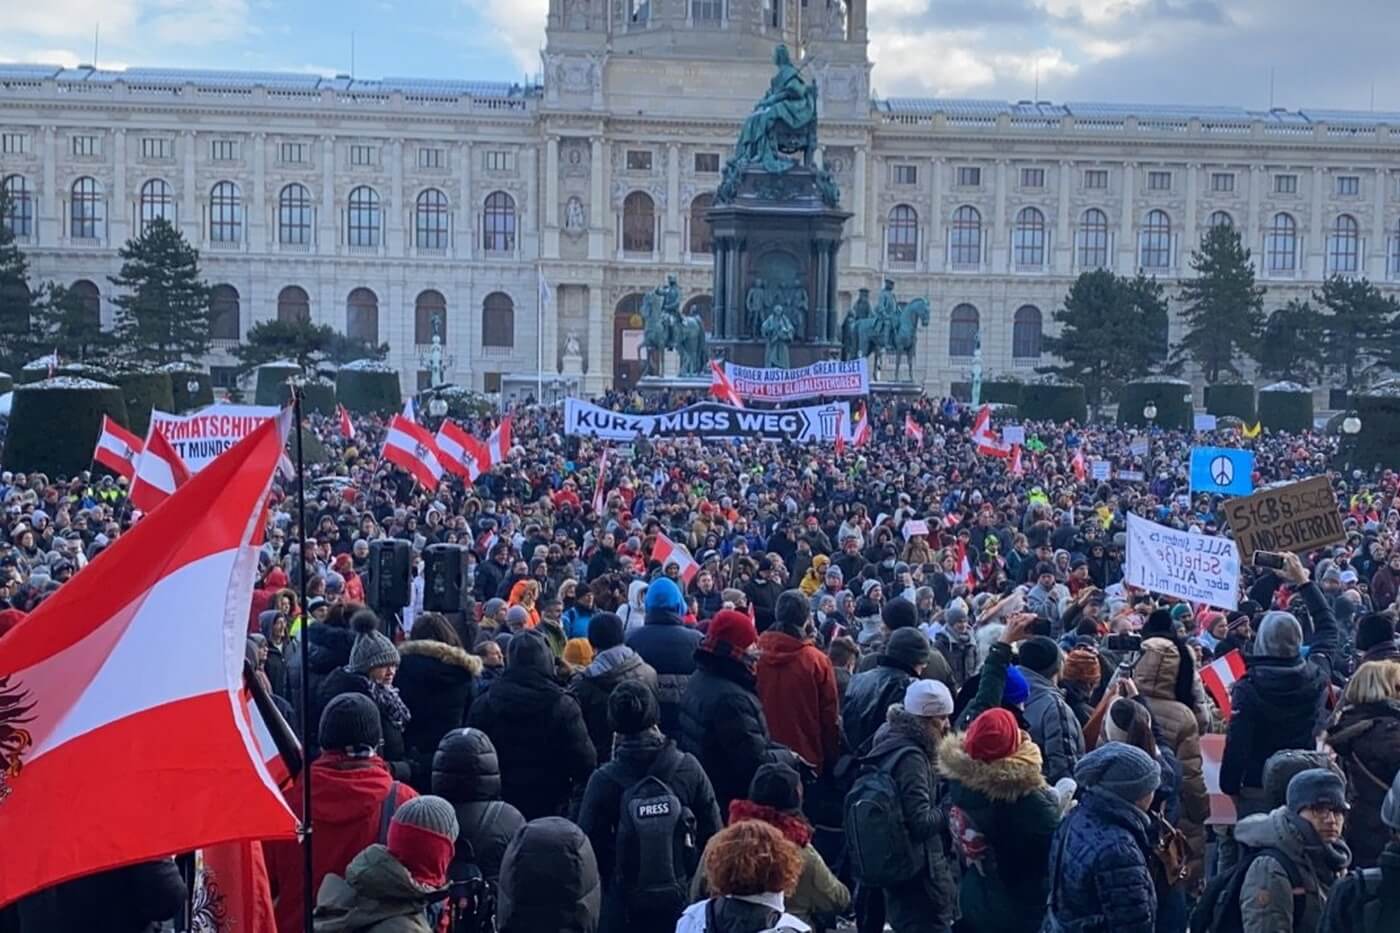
[{"x": 666, "y": 643}]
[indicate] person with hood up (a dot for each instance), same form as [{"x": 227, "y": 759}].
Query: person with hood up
[
  {"x": 328, "y": 647},
  {"x": 390, "y": 887},
  {"x": 549, "y": 881},
  {"x": 1368, "y": 901},
  {"x": 283, "y": 664},
  {"x": 613, "y": 663},
  {"x": 797, "y": 686},
  {"x": 667, "y": 644},
  {"x": 815, "y": 575},
  {"x": 633, "y": 612},
  {"x": 749, "y": 868},
  {"x": 537, "y": 729},
  {"x": 871, "y": 693},
  {"x": 955, "y": 643},
  {"x": 436, "y": 681},
  {"x": 1053, "y": 725},
  {"x": 1366, "y": 738},
  {"x": 373, "y": 664},
  {"x": 467, "y": 774},
  {"x": 526, "y": 594},
  {"x": 833, "y": 585}
]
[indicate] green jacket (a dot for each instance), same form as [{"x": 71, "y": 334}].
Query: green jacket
[{"x": 377, "y": 895}]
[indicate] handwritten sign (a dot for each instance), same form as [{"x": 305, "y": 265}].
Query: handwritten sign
[
  {"x": 1194, "y": 567},
  {"x": 1298, "y": 517}
]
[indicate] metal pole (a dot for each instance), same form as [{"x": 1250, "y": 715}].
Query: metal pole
[
  {"x": 308, "y": 870},
  {"x": 539, "y": 344}
]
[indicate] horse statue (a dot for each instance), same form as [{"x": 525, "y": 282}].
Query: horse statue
[
  {"x": 657, "y": 333},
  {"x": 865, "y": 336},
  {"x": 692, "y": 345}
]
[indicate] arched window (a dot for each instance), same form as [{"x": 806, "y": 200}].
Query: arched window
[
  {"x": 1156, "y": 245},
  {"x": 225, "y": 213},
  {"x": 430, "y": 220},
  {"x": 157, "y": 203},
  {"x": 701, "y": 238},
  {"x": 18, "y": 218},
  {"x": 1026, "y": 333},
  {"x": 965, "y": 243},
  {"x": 638, "y": 223},
  {"x": 293, "y": 305},
  {"x": 362, "y": 217},
  {"x": 498, "y": 321},
  {"x": 1093, "y": 239},
  {"x": 1028, "y": 239},
  {"x": 902, "y": 235},
  {"x": 87, "y": 219},
  {"x": 962, "y": 331},
  {"x": 223, "y": 313},
  {"x": 89, "y": 298},
  {"x": 1344, "y": 245},
  {"x": 429, "y": 317},
  {"x": 294, "y": 216},
  {"x": 498, "y": 223},
  {"x": 1281, "y": 243},
  {"x": 362, "y": 316},
  {"x": 1221, "y": 219}
]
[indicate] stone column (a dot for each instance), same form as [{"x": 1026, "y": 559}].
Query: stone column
[
  {"x": 256, "y": 213},
  {"x": 999, "y": 259},
  {"x": 671, "y": 238},
  {"x": 191, "y": 224},
  {"x": 599, "y": 341},
  {"x": 119, "y": 214},
  {"x": 1316, "y": 262},
  {"x": 599, "y": 211},
  {"x": 1377, "y": 250},
  {"x": 858, "y": 206},
  {"x": 327, "y": 243},
  {"x": 550, "y": 208},
  {"x": 528, "y": 243},
  {"x": 50, "y": 226},
  {"x": 1253, "y": 222},
  {"x": 464, "y": 237},
  {"x": 393, "y": 214},
  {"x": 937, "y": 248},
  {"x": 1191, "y": 237},
  {"x": 1062, "y": 244},
  {"x": 1127, "y": 241}
]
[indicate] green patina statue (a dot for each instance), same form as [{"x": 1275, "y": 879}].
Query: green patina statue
[{"x": 783, "y": 123}]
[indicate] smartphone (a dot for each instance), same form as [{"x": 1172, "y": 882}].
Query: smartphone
[{"x": 1268, "y": 560}]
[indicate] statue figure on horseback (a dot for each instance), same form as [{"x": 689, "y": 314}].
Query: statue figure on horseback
[
  {"x": 666, "y": 328},
  {"x": 891, "y": 326}
]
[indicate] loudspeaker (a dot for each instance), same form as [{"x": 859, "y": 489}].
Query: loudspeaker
[
  {"x": 388, "y": 575},
  {"x": 443, "y": 573}
]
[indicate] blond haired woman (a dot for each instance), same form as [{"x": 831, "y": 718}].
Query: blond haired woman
[{"x": 1366, "y": 738}]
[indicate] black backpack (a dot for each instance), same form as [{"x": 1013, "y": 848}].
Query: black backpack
[
  {"x": 656, "y": 845},
  {"x": 1218, "y": 910},
  {"x": 882, "y": 854},
  {"x": 471, "y": 899}
]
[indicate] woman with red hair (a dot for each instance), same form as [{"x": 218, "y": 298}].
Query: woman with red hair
[{"x": 749, "y": 869}]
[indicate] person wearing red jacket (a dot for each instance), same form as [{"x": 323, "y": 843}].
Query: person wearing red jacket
[
  {"x": 797, "y": 685},
  {"x": 354, "y": 586}
]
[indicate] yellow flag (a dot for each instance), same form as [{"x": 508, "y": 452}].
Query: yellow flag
[{"x": 1247, "y": 431}]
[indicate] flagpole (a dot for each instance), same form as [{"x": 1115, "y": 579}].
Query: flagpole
[{"x": 308, "y": 871}]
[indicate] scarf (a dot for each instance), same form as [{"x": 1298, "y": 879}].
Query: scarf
[
  {"x": 794, "y": 828},
  {"x": 391, "y": 706}
]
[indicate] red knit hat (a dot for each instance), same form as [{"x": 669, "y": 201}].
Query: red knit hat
[
  {"x": 733, "y": 629},
  {"x": 994, "y": 735}
]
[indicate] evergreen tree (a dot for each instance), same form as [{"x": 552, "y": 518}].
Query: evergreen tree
[
  {"x": 63, "y": 322},
  {"x": 1288, "y": 344},
  {"x": 1357, "y": 330},
  {"x": 164, "y": 315},
  {"x": 1224, "y": 308},
  {"x": 304, "y": 342},
  {"x": 16, "y": 298}
]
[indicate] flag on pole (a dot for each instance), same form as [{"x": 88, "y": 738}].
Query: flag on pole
[
  {"x": 722, "y": 387},
  {"x": 988, "y": 444},
  {"x": 1077, "y": 464},
  {"x": 79, "y": 696},
  {"x": 666, "y": 551},
  {"x": 965, "y": 565},
  {"x": 347, "y": 427},
  {"x": 861, "y": 435},
  {"x": 498, "y": 444},
  {"x": 234, "y": 876},
  {"x": 1016, "y": 468},
  {"x": 1247, "y": 431},
  {"x": 913, "y": 430},
  {"x": 1219, "y": 675},
  {"x": 840, "y": 436},
  {"x": 600, "y": 487},
  {"x": 159, "y": 472},
  {"x": 117, "y": 448},
  {"x": 408, "y": 409},
  {"x": 410, "y": 447},
  {"x": 461, "y": 453}
]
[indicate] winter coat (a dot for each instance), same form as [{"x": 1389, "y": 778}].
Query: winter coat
[
  {"x": 722, "y": 724},
  {"x": 549, "y": 881},
  {"x": 1385, "y": 587},
  {"x": 602, "y": 805},
  {"x": 1366, "y": 739},
  {"x": 1099, "y": 876},
  {"x": 128, "y": 900},
  {"x": 797, "y": 687},
  {"x": 377, "y": 895},
  {"x": 594, "y": 684},
  {"x": 1053, "y": 727},
  {"x": 437, "y": 682},
  {"x": 1012, "y": 815},
  {"x": 668, "y": 646},
  {"x": 467, "y": 774},
  {"x": 1348, "y": 900},
  {"x": 346, "y": 807},
  {"x": 740, "y": 914},
  {"x": 868, "y": 696},
  {"x": 633, "y": 612},
  {"x": 394, "y": 751},
  {"x": 960, "y": 651},
  {"x": 539, "y": 734},
  {"x": 328, "y": 650},
  {"x": 1266, "y": 897}
]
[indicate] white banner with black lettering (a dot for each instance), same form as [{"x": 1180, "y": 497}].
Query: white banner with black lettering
[
  {"x": 1194, "y": 567},
  {"x": 827, "y": 377},
  {"x": 805, "y": 425}
]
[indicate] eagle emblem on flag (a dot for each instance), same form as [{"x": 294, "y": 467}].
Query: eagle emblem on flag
[{"x": 14, "y": 739}]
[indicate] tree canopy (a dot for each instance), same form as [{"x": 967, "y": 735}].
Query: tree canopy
[
  {"x": 1224, "y": 310},
  {"x": 163, "y": 312}
]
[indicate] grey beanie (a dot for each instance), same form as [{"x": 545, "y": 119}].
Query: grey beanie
[
  {"x": 517, "y": 616},
  {"x": 955, "y": 612},
  {"x": 1390, "y": 807},
  {"x": 1125, "y": 771},
  {"x": 492, "y": 606},
  {"x": 371, "y": 648},
  {"x": 907, "y": 646},
  {"x": 350, "y": 720},
  {"x": 429, "y": 813},
  {"x": 1317, "y": 787},
  {"x": 1279, "y": 636}
]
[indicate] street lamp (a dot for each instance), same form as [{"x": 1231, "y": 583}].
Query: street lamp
[
  {"x": 437, "y": 406},
  {"x": 192, "y": 386},
  {"x": 1149, "y": 413},
  {"x": 1351, "y": 425}
]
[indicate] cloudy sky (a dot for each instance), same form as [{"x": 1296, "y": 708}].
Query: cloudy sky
[{"x": 1324, "y": 55}]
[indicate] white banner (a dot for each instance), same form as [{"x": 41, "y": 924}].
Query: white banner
[
  {"x": 200, "y": 437},
  {"x": 711, "y": 421},
  {"x": 1197, "y": 568},
  {"x": 1014, "y": 434},
  {"x": 826, "y": 377}
]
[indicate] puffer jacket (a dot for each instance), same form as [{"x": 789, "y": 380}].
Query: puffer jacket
[
  {"x": 467, "y": 774},
  {"x": 395, "y": 748},
  {"x": 1366, "y": 738},
  {"x": 633, "y": 612},
  {"x": 594, "y": 684},
  {"x": 1099, "y": 876},
  {"x": 1266, "y": 897},
  {"x": 436, "y": 681},
  {"x": 668, "y": 645},
  {"x": 377, "y": 895},
  {"x": 868, "y": 695},
  {"x": 1351, "y": 898},
  {"x": 549, "y": 881},
  {"x": 797, "y": 687},
  {"x": 1053, "y": 727}
]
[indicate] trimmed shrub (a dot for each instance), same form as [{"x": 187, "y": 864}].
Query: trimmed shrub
[
  {"x": 467, "y": 405},
  {"x": 312, "y": 450},
  {"x": 54, "y": 424},
  {"x": 1171, "y": 396},
  {"x": 1286, "y": 406},
  {"x": 1005, "y": 391},
  {"x": 180, "y": 380},
  {"x": 144, "y": 391},
  {"x": 37, "y": 370},
  {"x": 368, "y": 387},
  {"x": 7, "y": 382},
  {"x": 1235, "y": 399},
  {"x": 1054, "y": 401},
  {"x": 271, "y": 388},
  {"x": 1379, "y": 440},
  {"x": 317, "y": 395}
]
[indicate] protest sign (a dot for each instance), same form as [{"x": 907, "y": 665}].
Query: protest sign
[
  {"x": 1014, "y": 434},
  {"x": 1139, "y": 447},
  {"x": 1204, "y": 423},
  {"x": 1194, "y": 567},
  {"x": 1101, "y": 470},
  {"x": 200, "y": 437},
  {"x": 710, "y": 421},
  {"x": 1131, "y": 476},
  {"x": 915, "y": 526},
  {"x": 1298, "y": 517},
  {"x": 825, "y": 377},
  {"x": 1225, "y": 471}
]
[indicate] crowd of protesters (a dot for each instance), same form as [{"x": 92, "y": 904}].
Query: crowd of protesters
[{"x": 907, "y": 689}]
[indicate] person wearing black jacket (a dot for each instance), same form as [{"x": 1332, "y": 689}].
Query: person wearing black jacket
[
  {"x": 667, "y": 644},
  {"x": 492, "y": 573},
  {"x": 708, "y": 599},
  {"x": 133, "y": 899},
  {"x": 549, "y": 881},
  {"x": 604, "y": 560},
  {"x": 436, "y": 680},
  {"x": 467, "y": 774},
  {"x": 613, "y": 664},
  {"x": 373, "y": 663},
  {"x": 870, "y": 693},
  {"x": 328, "y": 645},
  {"x": 763, "y": 592}
]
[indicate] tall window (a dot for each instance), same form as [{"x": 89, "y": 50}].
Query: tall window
[
  {"x": 294, "y": 216},
  {"x": 362, "y": 316},
  {"x": 1222, "y": 218},
  {"x": 1026, "y": 333},
  {"x": 498, "y": 321},
  {"x": 1344, "y": 245},
  {"x": 962, "y": 331},
  {"x": 498, "y": 223},
  {"x": 429, "y": 317},
  {"x": 903, "y": 234},
  {"x": 965, "y": 242},
  {"x": 702, "y": 239},
  {"x": 223, "y": 312},
  {"x": 1281, "y": 243},
  {"x": 156, "y": 203},
  {"x": 86, "y": 216},
  {"x": 225, "y": 213},
  {"x": 638, "y": 223},
  {"x": 430, "y": 220},
  {"x": 293, "y": 305},
  {"x": 89, "y": 299},
  {"x": 1028, "y": 239},
  {"x": 1093, "y": 239},
  {"x": 1156, "y": 245},
  {"x": 18, "y": 218},
  {"x": 362, "y": 217},
  {"x": 709, "y": 12}
]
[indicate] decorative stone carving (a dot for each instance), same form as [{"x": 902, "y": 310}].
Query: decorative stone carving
[{"x": 575, "y": 216}]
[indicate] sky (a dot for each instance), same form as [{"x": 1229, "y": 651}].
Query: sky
[{"x": 1251, "y": 53}]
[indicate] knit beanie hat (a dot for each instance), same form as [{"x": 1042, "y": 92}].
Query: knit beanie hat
[
  {"x": 1375, "y": 628},
  {"x": 1125, "y": 771},
  {"x": 1122, "y": 715},
  {"x": 1159, "y": 622},
  {"x": 928, "y": 699},
  {"x": 834, "y": 572},
  {"x": 633, "y": 708},
  {"x": 491, "y": 607},
  {"x": 529, "y": 650},
  {"x": 899, "y": 613},
  {"x": 371, "y": 648},
  {"x": 1281, "y": 767},
  {"x": 777, "y": 786},
  {"x": 578, "y": 652},
  {"x": 1279, "y": 636},
  {"x": 350, "y": 721},
  {"x": 1016, "y": 691},
  {"x": 664, "y": 596},
  {"x": 994, "y": 735},
  {"x": 955, "y": 612},
  {"x": 423, "y": 837},
  {"x": 908, "y": 647},
  {"x": 1040, "y": 654},
  {"x": 869, "y": 585},
  {"x": 792, "y": 611},
  {"x": 605, "y": 630},
  {"x": 1317, "y": 787},
  {"x": 517, "y": 617},
  {"x": 731, "y": 633},
  {"x": 1081, "y": 667}
]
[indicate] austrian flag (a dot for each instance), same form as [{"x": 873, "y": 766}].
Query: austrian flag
[
  {"x": 1220, "y": 675},
  {"x": 461, "y": 453},
  {"x": 159, "y": 472},
  {"x": 722, "y": 387},
  {"x": 409, "y": 446},
  {"x": 667, "y": 551},
  {"x": 117, "y": 448}
]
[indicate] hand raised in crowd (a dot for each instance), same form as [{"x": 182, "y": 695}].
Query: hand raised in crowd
[
  {"x": 1018, "y": 628},
  {"x": 1293, "y": 570}
]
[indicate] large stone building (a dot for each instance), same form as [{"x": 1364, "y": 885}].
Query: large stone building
[{"x": 393, "y": 208}]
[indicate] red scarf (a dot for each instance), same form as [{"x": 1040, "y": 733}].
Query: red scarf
[{"x": 794, "y": 828}]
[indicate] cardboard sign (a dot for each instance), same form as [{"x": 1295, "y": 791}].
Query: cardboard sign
[
  {"x": 1198, "y": 568},
  {"x": 915, "y": 526},
  {"x": 1298, "y": 517},
  {"x": 1203, "y": 423},
  {"x": 1139, "y": 447}
]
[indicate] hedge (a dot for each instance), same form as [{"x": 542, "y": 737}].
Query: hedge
[
  {"x": 1286, "y": 407},
  {"x": 184, "y": 399},
  {"x": 1379, "y": 440},
  {"x": 272, "y": 383},
  {"x": 54, "y": 424},
  {"x": 1005, "y": 391},
  {"x": 1054, "y": 402},
  {"x": 368, "y": 390},
  {"x": 1171, "y": 396},
  {"x": 312, "y": 450},
  {"x": 7, "y": 382},
  {"x": 1235, "y": 399},
  {"x": 144, "y": 391}
]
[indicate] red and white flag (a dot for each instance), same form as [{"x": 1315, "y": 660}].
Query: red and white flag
[
  {"x": 1077, "y": 465},
  {"x": 80, "y": 697},
  {"x": 408, "y": 410},
  {"x": 1016, "y": 468},
  {"x": 840, "y": 436},
  {"x": 410, "y": 447},
  {"x": 461, "y": 453},
  {"x": 721, "y": 387},
  {"x": 666, "y": 551},
  {"x": 912, "y": 429},
  {"x": 117, "y": 448},
  {"x": 159, "y": 472},
  {"x": 988, "y": 444},
  {"x": 486, "y": 542},
  {"x": 600, "y": 486},
  {"x": 965, "y": 565},
  {"x": 498, "y": 444},
  {"x": 861, "y": 437},
  {"x": 1219, "y": 675},
  {"x": 347, "y": 427}
]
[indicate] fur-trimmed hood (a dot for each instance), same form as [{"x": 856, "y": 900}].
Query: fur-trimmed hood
[
  {"x": 447, "y": 654},
  {"x": 1002, "y": 781}
]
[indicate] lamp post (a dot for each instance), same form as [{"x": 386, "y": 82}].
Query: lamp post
[
  {"x": 1351, "y": 425},
  {"x": 437, "y": 406},
  {"x": 1149, "y": 413}
]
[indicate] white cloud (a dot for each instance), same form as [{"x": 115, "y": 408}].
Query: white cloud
[
  {"x": 520, "y": 24},
  {"x": 895, "y": 9},
  {"x": 960, "y": 63},
  {"x": 70, "y": 19},
  {"x": 1094, "y": 12}
]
